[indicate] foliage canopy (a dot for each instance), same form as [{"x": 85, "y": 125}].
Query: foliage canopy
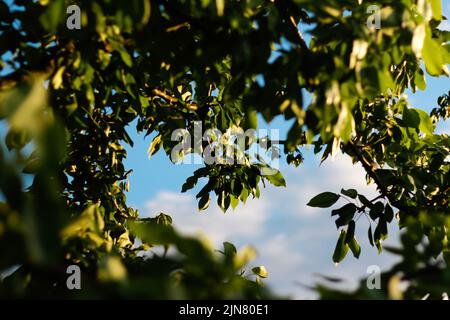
[{"x": 71, "y": 96}]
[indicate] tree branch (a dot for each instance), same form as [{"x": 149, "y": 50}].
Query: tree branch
[
  {"x": 165, "y": 96},
  {"x": 301, "y": 40},
  {"x": 286, "y": 12}
]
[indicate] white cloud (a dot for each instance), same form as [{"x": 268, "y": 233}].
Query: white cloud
[
  {"x": 293, "y": 240},
  {"x": 282, "y": 261},
  {"x": 246, "y": 222}
]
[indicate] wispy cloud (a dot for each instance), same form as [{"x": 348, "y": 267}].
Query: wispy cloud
[{"x": 247, "y": 222}]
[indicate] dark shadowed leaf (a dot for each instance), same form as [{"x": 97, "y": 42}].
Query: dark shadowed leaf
[
  {"x": 352, "y": 193},
  {"x": 323, "y": 200}
]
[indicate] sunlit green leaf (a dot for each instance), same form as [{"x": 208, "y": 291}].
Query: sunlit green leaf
[{"x": 341, "y": 249}]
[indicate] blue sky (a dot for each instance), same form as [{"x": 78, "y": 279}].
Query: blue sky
[{"x": 293, "y": 241}]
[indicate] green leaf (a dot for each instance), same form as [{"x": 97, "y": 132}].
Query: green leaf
[
  {"x": 323, "y": 200},
  {"x": 244, "y": 195},
  {"x": 124, "y": 55},
  {"x": 236, "y": 187},
  {"x": 204, "y": 202},
  {"x": 276, "y": 179},
  {"x": 355, "y": 247},
  {"x": 220, "y": 6},
  {"x": 419, "y": 79},
  {"x": 144, "y": 101},
  {"x": 436, "y": 240},
  {"x": 388, "y": 213},
  {"x": 446, "y": 256},
  {"x": 153, "y": 233},
  {"x": 146, "y": 12},
  {"x": 345, "y": 213},
  {"x": 376, "y": 211},
  {"x": 411, "y": 118},
  {"x": 432, "y": 56},
  {"x": 426, "y": 125},
  {"x": 350, "y": 231},
  {"x": 344, "y": 126},
  {"x": 32, "y": 166},
  {"x": 111, "y": 269},
  {"x": 53, "y": 15},
  {"x": 251, "y": 120},
  {"x": 260, "y": 271},
  {"x": 385, "y": 81},
  {"x": 229, "y": 249},
  {"x": 341, "y": 249},
  {"x": 223, "y": 201},
  {"x": 24, "y": 106},
  {"x": 436, "y": 7},
  {"x": 370, "y": 235},
  {"x": 57, "y": 80},
  {"x": 352, "y": 193},
  {"x": 17, "y": 139},
  {"x": 189, "y": 184},
  {"x": 163, "y": 219},
  {"x": 154, "y": 146},
  {"x": 380, "y": 233},
  {"x": 347, "y": 209},
  {"x": 234, "y": 201}
]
